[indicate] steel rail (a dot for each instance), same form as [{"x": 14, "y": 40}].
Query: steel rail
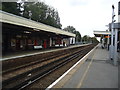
[
  {"x": 35, "y": 62},
  {"x": 32, "y": 63}
]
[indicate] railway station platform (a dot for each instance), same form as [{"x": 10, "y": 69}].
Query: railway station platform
[
  {"x": 94, "y": 70},
  {"x": 35, "y": 52}
]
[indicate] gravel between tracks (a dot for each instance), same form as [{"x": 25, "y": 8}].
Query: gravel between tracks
[
  {"x": 49, "y": 79},
  {"x": 13, "y": 63},
  {"x": 20, "y": 71},
  {"x": 17, "y": 63}
]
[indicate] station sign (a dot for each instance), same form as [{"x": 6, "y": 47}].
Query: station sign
[{"x": 106, "y": 36}]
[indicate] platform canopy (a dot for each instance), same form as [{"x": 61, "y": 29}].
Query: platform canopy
[
  {"x": 21, "y": 21},
  {"x": 101, "y": 33}
]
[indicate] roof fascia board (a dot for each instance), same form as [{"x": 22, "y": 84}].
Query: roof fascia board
[{"x": 102, "y": 32}]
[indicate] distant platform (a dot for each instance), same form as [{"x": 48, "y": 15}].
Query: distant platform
[{"x": 35, "y": 52}]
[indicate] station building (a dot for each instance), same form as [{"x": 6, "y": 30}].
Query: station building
[{"x": 20, "y": 34}]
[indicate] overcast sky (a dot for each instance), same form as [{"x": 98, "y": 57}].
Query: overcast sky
[{"x": 85, "y": 15}]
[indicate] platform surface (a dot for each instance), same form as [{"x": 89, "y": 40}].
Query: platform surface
[{"x": 95, "y": 72}]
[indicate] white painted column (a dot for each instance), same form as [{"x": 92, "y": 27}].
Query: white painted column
[
  {"x": 50, "y": 42},
  {"x": 73, "y": 40},
  {"x": 115, "y": 48},
  {"x": 70, "y": 40}
]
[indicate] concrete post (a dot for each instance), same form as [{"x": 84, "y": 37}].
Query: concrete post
[
  {"x": 115, "y": 48},
  {"x": 108, "y": 42},
  {"x": 112, "y": 34},
  {"x": 112, "y": 47}
]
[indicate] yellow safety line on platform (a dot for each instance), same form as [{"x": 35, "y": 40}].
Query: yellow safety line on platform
[{"x": 84, "y": 75}]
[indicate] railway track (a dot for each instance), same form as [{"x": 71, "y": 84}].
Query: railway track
[
  {"x": 25, "y": 79},
  {"x": 37, "y": 61},
  {"x": 26, "y": 67}
]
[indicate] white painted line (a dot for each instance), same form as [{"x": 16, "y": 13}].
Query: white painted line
[{"x": 85, "y": 57}]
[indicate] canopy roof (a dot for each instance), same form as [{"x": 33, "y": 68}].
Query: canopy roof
[
  {"x": 100, "y": 33},
  {"x": 21, "y": 21}
]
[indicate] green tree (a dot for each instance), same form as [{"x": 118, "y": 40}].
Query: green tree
[
  {"x": 37, "y": 11},
  {"x": 0, "y": 6},
  {"x": 42, "y": 13},
  {"x": 70, "y": 29},
  {"x": 94, "y": 40},
  {"x": 11, "y": 7},
  {"x": 34, "y": 11},
  {"x": 73, "y": 30},
  {"x": 88, "y": 39},
  {"x": 78, "y": 36},
  {"x": 84, "y": 39}
]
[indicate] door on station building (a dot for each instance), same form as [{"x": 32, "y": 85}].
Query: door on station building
[
  {"x": 45, "y": 44},
  {"x": 17, "y": 44}
]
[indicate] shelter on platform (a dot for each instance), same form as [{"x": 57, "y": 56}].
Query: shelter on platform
[
  {"x": 104, "y": 37},
  {"x": 19, "y": 34}
]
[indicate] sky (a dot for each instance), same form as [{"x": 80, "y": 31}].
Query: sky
[{"x": 85, "y": 15}]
